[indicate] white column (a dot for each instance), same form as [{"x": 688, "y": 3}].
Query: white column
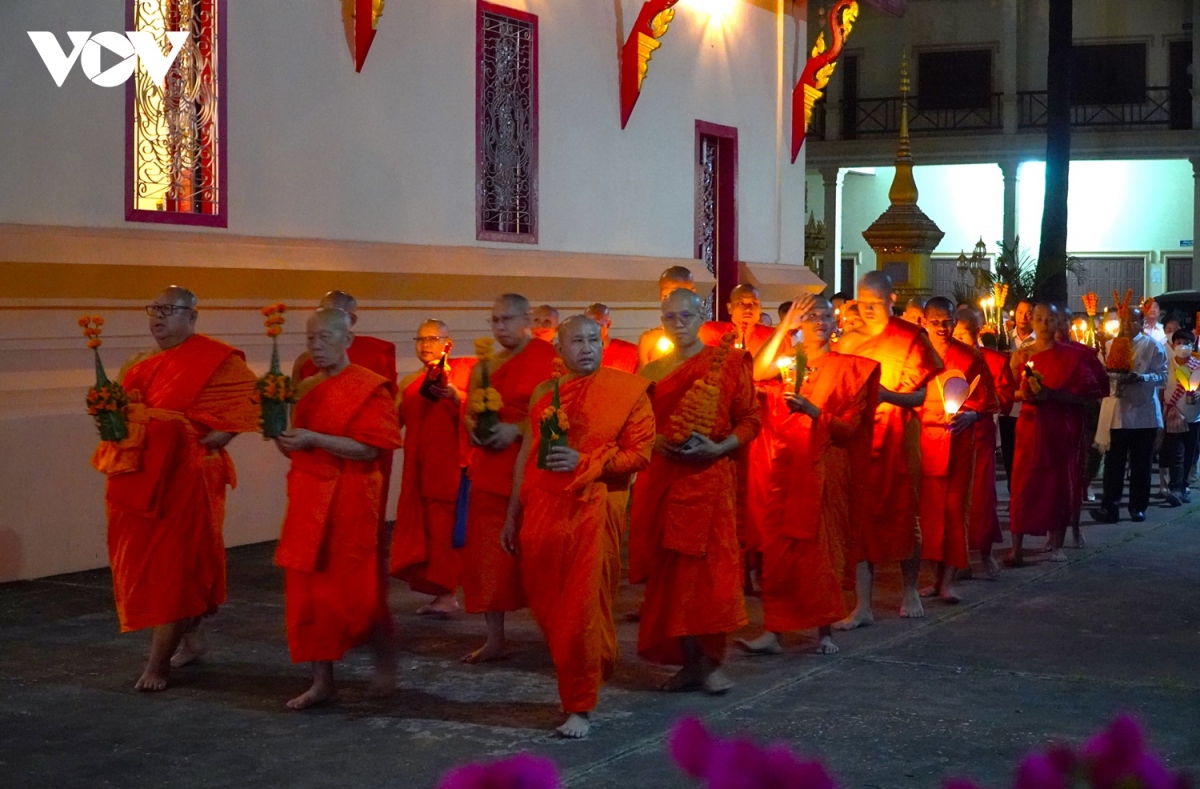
[
  {"x": 1008, "y": 169},
  {"x": 832, "y": 177},
  {"x": 1195, "y": 220},
  {"x": 1009, "y": 55}
]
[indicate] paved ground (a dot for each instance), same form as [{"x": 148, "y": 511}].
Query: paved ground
[{"x": 1050, "y": 651}]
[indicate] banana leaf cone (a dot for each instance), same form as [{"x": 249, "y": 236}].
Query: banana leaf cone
[
  {"x": 274, "y": 412},
  {"x": 111, "y": 424}
]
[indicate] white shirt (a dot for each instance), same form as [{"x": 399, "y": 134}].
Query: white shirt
[
  {"x": 1017, "y": 344},
  {"x": 1156, "y": 331},
  {"x": 1138, "y": 406}
]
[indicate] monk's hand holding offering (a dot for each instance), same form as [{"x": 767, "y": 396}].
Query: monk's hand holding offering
[
  {"x": 798, "y": 403},
  {"x": 296, "y": 440},
  {"x": 445, "y": 391},
  {"x": 961, "y": 421},
  {"x": 562, "y": 459},
  {"x": 502, "y": 437},
  {"x": 701, "y": 449},
  {"x": 217, "y": 439}
]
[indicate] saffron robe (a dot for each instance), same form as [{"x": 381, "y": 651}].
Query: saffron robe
[
  {"x": 570, "y": 548},
  {"x": 620, "y": 355},
  {"x": 491, "y": 578},
  {"x": 817, "y": 491},
  {"x": 754, "y": 481},
  {"x": 1047, "y": 468},
  {"x": 948, "y": 460},
  {"x": 683, "y": 541},
  {"x": 984, "y": 525},
  {"x": 329, "y": 545},
  {"x": 1090, "y": 360},
  {"x": 907, "y": 361},
  {"x": 423, "y": 552},
  {"x": 165, "y": 495}
]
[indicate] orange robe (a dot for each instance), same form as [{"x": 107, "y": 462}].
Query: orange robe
[
  {"x": 378, "y": 356},
  {"x": 683, "y": 529},
  {"x": 948, "y": 460},
  {"x": 570, "y": 549},
  {"x": 1047, "y": 468},
  {"x": 491, "y": 578},
  {"x": 620, "y": 355},
  {"x": 754, "y": 483},
  {"x": 1090, "y": 361},
  {"x": 329, "y": 546},
  {"x": 984, "y": 526},
  {"x": 816, "y": 493},
  {"x": 165, "y": 495},
  {"x": 423, "y": 553},
  {"x": 907, "y": 361}
]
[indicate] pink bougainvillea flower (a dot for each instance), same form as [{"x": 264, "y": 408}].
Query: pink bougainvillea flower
[
  {"x": 519, "y": 772},
  {"x": 1038, "y": 771},
  {"x": 689, "y": 745}
]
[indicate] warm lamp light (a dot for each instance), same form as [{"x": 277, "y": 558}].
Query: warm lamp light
[
  {"x": 716, "y": 10},
  {"x": 665, "y": 345},
  {"x": 954, "y": 393},
  {"x": 1112, "y": 327}
]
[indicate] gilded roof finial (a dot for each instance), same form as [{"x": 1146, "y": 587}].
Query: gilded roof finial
[{"x": 904, "y": 187}]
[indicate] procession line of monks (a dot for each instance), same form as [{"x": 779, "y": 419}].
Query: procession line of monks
[{"x": 855, "y": 463}]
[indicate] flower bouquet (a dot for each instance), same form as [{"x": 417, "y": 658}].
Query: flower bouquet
[
  {"x": 106, "y": 399},
  {"x": 275, "y": 390},
  {"x": 484, "y": 403},
  {"x": 1119, "y": 361},
  {"x": 697, "y": 412},
  {"x": 554, "y": 426}
]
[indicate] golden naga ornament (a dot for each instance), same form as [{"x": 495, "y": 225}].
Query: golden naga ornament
[
  {"x": 651, "y": 25},
  {"x": 361, "y": 18},
  {"x": 819, "y": 69}
]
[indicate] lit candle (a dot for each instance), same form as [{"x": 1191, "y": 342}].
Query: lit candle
[
  {"x": 954, "y": 394},
  {"x": 665, "y": 345}
]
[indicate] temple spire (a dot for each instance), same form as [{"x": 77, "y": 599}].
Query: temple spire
[{"x": 904, "y": 186}]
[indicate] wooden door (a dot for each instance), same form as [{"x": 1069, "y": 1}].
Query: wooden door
[{"x": 1104, "y": 275}]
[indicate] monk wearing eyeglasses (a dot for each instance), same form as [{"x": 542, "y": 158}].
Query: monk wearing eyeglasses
[
  {"x": 165, "y": 495},
  {"x": 491, "y": 577},
  {"x": 431, "y": 406}
]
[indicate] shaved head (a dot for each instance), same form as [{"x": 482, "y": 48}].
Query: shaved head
[
  {"x": 683, "y": 314},
  {"x": 435, "y": 324},
  {"x": 745, "y": 289},
  {"x": 600, "y": 314},
  {"x": 432, "y": 340},
  {"x": 176, "y": 295},
  {"x": 579, "y": 344},
  {"x": 340, "y": 300},
  {"x": 512, "y": 324},
  {"x": 545, "y": 322},
  {"x": 877, "y": 282},
  {"x": 674, "y": 278},
  {"x": 968, "y": 319},
  {"x": 514, "y": 302},
  {"x": 331, "y": 318},
  {"x": 329, "y": 336}
]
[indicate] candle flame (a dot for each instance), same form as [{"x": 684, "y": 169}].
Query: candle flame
[{"x": 665, "y": 345}]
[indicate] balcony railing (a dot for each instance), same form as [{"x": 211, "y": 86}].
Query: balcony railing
[
  {"x": 1154, "y": 110},
  {"x": 882, "y": 116}
]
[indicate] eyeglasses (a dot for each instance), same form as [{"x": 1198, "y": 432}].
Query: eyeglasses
[
  {"x": 429, "y": 340},
  {"x": 165, "y": 310}
]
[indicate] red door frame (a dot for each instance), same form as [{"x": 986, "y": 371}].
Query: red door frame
[{"x": 725, "y": 246}]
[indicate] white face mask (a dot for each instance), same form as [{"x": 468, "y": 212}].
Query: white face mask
[{"x": 1183, "y": 352}]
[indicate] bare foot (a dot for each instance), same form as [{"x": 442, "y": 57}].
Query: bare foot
[
  {"x": 317, "y": 694},
  {"x": 192, "y": 647},
  {"x": 716, "y": 683},
  {"x": 151, "y": 681},
  {"x": 992, "y": 566},
  {"x": 911, "y": 608},
  {"x": 1058, "y": 556},
  {"x": 766, "y": 644},
  {"x": 930, "y": 591},
  {"x": 826, "y": 646},
  {"x": 1078, "y": 541},
  {"x": 488, "y": 653},
  {"x": 856, "y": 620},
  {"x": 441, "y": 607},
  {"x": 682, "y": 681},
  {"x": 950, "y": 596},
  {"x": 1014, "y": 560},
  {"x": 576, "y": 727}
]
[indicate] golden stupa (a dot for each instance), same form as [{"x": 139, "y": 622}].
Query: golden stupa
[{"x": 903, "y": 236}]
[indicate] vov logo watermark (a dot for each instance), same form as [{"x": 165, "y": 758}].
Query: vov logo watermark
[{"x": 131, "y": 47}]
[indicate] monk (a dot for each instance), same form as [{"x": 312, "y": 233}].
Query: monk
[
  {"x": 618, "y": 354},
  {"x": 745, "y": 311},
  {"x": 1046, "y": 464},
  {"x": 914, "y": 311},
  {"x": 378, "y": 356},
  {"x": 654, "y": 343},
  {"x": 557, "y": 516},
  {"x": 683, "y": 528},
  {"x": 545, "y": 322},
  {"x": 329, "y": 545},
  {"x": 816, "y": 488},
  {"x": 165, "y": 496},
  {"x": 948, "y": 451},
  {"x": 491, "y": 577},
  {"x": 984, "y": 523},
  {"x": 907, "y": 364},
  {"x": 1090, "y": 456},
  {"x": 431, "y": 399}
]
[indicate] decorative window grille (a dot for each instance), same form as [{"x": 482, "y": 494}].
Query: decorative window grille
[
  {"x": 706, "y": 203},
  {"x": 176, "y": 172},
  {"x": 506, "y": 125}
]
